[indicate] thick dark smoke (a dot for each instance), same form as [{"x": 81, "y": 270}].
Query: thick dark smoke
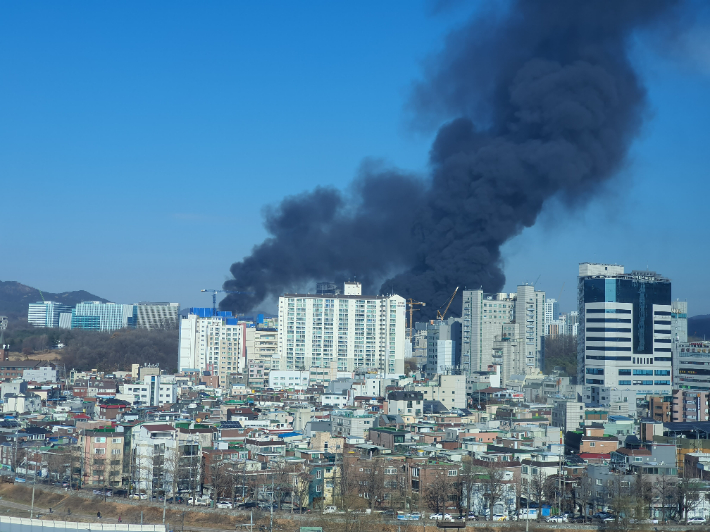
[{"x": 541, "y": 102}]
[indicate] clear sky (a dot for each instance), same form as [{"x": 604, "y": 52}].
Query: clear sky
[{"x": 139, "y": 142}]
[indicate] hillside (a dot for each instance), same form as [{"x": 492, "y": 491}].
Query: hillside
[
  {"x": 699, "y": 327},
  {"x": 15, "y": 297}
]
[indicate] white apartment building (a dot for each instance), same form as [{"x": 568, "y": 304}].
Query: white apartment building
[
  {"x": 155, "y": 390},
  {"x": 552, "y": 312},
  {"x": 155, "y": 457},
  {"x": 568, "y": 415},
  {"x": 157, "y": 315},
  {"x": 216, "y": 344},
  {"x": 484, "y": 316},
  {"x": 262, "y": 347},
  {"x": 346, "y": 331},
  {"x": 289, "y": 380}
]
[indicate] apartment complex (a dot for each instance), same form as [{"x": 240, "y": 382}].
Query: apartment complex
[
  {"x": 346, "y": 331},
  {"x": 216, "y": 344},
  {"x": 691, "y": 365},
  {"x": 625, "y": 339},
  {"x": 484, "y": 317}
]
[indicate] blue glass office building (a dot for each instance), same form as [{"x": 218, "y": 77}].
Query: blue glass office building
[{"x": 624, "y": 339}]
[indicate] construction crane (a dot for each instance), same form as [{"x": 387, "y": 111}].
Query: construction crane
[
  {"x": 411, "y": 304},
  {"x": 439, "y": 315},
  {"x": 214, "y": 296}
]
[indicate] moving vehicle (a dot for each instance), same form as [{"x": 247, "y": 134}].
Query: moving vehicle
[
  {"x": 248, "y": 505},
  {"x": 556, "y": 519},
  {"x": 441, "y": 517}
]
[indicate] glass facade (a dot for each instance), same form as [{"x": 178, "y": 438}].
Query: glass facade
[{"x": 641, "y": 294}]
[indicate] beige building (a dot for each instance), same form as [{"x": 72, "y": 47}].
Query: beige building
[
  {"x": 323, "y": 441},
  {"x": 101, "y": 457}
]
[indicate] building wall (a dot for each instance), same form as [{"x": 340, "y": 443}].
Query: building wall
[
  {"x": 691, "y": 365},
  {"x": 342, "y": 331},
  {"x": 46, "y": 314},
  {"x": 97, "y": 316},
  {"x": 157, "y": 315},
  {"x": 625, "y": 331},
  {"x": 215, "y": 344}
]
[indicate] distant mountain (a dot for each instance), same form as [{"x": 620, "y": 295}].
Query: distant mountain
[
  {"x": 15, "y": 298},
  {"x": 699, "y": 326}
]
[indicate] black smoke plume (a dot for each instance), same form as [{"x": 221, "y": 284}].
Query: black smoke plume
[{"x": 540, "y": 101}]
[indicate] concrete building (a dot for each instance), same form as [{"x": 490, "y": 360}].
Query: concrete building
[
  {"x": 552, "y": 313},
  {"x": 450, "y": 390},
  {"x": 405, "y": 403},
  {"x": 155, "y": 390},
  {"x": 40, "y": 374},
  {"x": 568, "y": 415},
  {"x": 346, "y": 423},
  {"x": 484, "y": 316},
  {"x": 691, "y": 365},
  {"x": 289, "y": 380},
  {"x": 103, "y": 453},
  {"x": 264, "y": 347},
  {"x": 97, "y": 316},
  {"x": 46, "y": 313},
  {"x": 346, "y": 331},
  {"x": 443, "y": 347},
  {"x": 216, "y": 344},
  {"x": 157, "y": 315},
  {"x": 625, "y": 334},
  {"x": 679, "y": 321}
]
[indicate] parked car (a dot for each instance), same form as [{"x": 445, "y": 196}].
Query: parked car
[
  {"x": 334, "y": 510},
  {"x": 139, "y": 496},
  {"x": 556, "y": 519},
  {"x": 500, "y": 517},
  {"x": 388, "y": 513},
  {"x": 695, "y": 521},
  {"x": 198, "y": 501},
  {"x": 441, "y": 517},
  {"x": 224, "y": 505},
  {"x": 248, "y": 505},
  {"x": 604, "y": 517}
]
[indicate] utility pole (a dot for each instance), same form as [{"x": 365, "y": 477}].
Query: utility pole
[
  {"x": 34, "y": 481},
  {"x": 271, "y": 518}
]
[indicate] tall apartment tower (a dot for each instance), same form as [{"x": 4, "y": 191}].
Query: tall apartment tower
[
  {"x": 679, "y": 321},
  {"x": 443, "y": 347},
  {"x": 214, "y": 343},
  {"x": 484, "y": 317},
  {"x": 343, "y": 331},
  {"x": 624, "y": 337}
]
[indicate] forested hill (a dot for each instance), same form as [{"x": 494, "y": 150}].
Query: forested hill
[{"x": 15, "y": 297}]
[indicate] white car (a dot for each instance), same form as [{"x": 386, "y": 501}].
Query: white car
[
  {"x": 695, "y": 521},
  {"x": 436, "y": 517},
  {"x": 556, "y": 519},
  {"x": 500, "y": 517},
  {"x": 224, "y": 504}
]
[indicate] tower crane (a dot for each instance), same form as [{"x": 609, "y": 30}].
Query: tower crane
[
  {"x": 441, "y": 316},
  {"x": 214, "y": 296},
  {"x": 411, "y": 303}
]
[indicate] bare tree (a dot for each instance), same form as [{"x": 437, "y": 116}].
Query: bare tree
[
  {"x": 664, "y": 488},
  {"x": 438, "y": 492},
  {"x": 688, "y": 495},
  {"x": 493, "y": 487}
]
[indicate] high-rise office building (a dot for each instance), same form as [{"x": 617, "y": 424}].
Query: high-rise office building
[
  {"x": 213, "y": 343},
  {"x": 690, "y": 360},
  {"x": 345, "y": 331},
  {"x": 157, "y": 315},
  {"x": 625, "y": 334},
  {"x": 484, "y": 316},
  {"x": 97, "y": 316},
  {"x": 46, "y": 313}
]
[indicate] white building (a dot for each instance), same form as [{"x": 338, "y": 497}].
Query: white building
[
  {"x": 346, "y": 331},
  {"x": 46, "y": 313},
  {"x": 552, "y": 312},
  {"x": 568, "y": 415},
  {"x": 289, "y": 380},
  {"x": 484, "y": 316},
  {"x": 449, "y": 389},
  {"x": 625, "y": 330},
  {"x": 155, "y": 456},
  {"x": 689, "y": 362},
  {"x": 216, "y": 344},
  {"x": 155, "y": 390},
  {"x": 42, "y": 374},
  {"x": 157, "y": 315}
]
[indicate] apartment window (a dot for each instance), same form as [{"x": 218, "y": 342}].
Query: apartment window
[
  {"x": 319, "y": 474},
  {"x": 115, "y": 451},
  {"x": 99, "y": 451},
  {"x": 453, "y": 472},
  {"x": 100, "y": 440},
  {"x": 592, "y": 444},
  {"x": 116, "y": 440}
]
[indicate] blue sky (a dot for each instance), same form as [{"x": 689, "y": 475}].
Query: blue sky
[{"x": 140, "y": 141}]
